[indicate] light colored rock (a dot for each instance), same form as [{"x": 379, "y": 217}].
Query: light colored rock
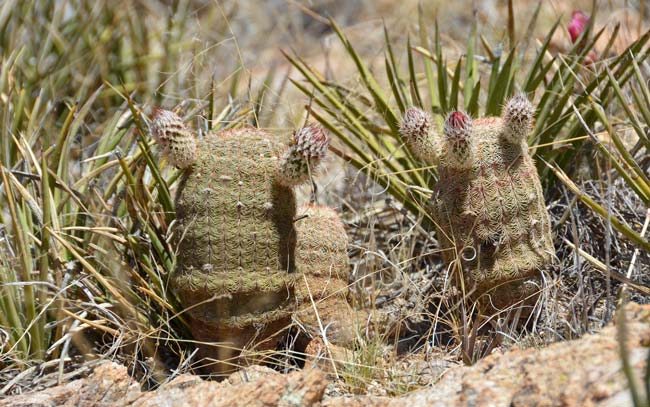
[
  {"x": 111, "y": 386},
  {"x": 585, "y": 372},
  {"x": 304, "y": 388},
  {"x": 108, "y": 385},
  {"x": 250, "y": 374}
]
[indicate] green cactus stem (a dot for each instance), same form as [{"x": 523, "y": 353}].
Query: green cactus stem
[
  {"x": 417, "y": 131},
  {"x": 176, "y": 141},
  {"x": 489, "y": 208},
  {"x": 322, "y": 257},
  {"x": 236, "y": 239}
]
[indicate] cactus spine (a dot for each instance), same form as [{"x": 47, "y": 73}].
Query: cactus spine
[
  {"x": 488, "y": 204},
  {"x": 236, "y": 238}
]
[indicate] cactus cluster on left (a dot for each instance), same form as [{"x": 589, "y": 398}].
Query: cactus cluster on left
[{"x": 235, "y": 235}]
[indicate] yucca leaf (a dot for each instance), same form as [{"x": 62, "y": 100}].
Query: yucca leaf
[
  {"x": 455, "y": 85},
  {"x": 394, "y": 78},
  {"x": 413, "y": 85},
  {"x": 488, "y": 49},
  {"x": 25, "y": 267},
  {"x": 536, "y": 72},
  {"x": 500, "y": 92},
  {"x": 472, "y": 106},
  {"x": 523, "y": 48},
  {"x": 442, "y": 71},
  {"x": 471, "y": 67},
  {"x": 428, "y": 68},
  {"x": 511, "y": 26},
  {"x": 628, "y": 169},
  {"x": 636, "y": 125},
  {"x": 371, "y": 84}
]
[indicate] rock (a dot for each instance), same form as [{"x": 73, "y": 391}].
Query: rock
[
  {"x": 250, "y": 374},
  {"x": 303, "y": 388},
  {"x": 110, "y": 385},
  {"x": 326, "y": 358},
  {"x": 584, "y": 372}
]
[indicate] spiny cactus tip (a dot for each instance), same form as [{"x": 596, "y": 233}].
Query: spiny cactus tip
[
  {"x": 518, "y": 118},
  {"x": 308, "y": 147},
  {"x": 176, "y": 141},
  {"x": 162, "y": 120},
  {"x": 311, "y": 141},
  {"x": 416, "y": 130},
  {"x": 416, "y": 124},
  {"x": 457, "y": 146},
  {"x": 458, "y": 127},
  {"x": 458, "y": 121}
]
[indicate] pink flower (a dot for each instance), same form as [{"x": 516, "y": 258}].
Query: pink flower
[{"x": 577, "y": 25}]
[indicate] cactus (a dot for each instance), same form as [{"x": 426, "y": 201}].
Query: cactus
[
  {"x": 177, "y": 143},
  {"x": 417, "y": 132},
  {"x": 488, "y": 205},
  {"x": 235, "y": 236},
  {"x": 322, "y": 257}
]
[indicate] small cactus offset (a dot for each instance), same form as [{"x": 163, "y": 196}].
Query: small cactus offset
[
  {"x": 417, "y": 131},
  {"x": 177, "y": 142},
  {"x": 488, "y": 205},
  {"x": 457, "y": 145},
  {"x": 236, "y": 238},
  {"x": 308, "y": 147},
  {"x": 322, "y": 257}
]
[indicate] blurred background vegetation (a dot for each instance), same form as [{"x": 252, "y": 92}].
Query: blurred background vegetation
[{"x": 86, "y": 204}]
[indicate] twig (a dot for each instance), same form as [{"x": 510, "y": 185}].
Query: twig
[{"x": 598, "y": 265}]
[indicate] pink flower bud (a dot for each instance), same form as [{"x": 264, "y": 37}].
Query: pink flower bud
[
  {"x": 579, "y": 21},
  {"x": 311, "y": 141},
  {"x": 457, "y": 149},
  {"x": 458, "y": 127},
  {"x": 457, "y": 120}
]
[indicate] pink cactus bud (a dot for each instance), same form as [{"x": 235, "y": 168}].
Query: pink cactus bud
[
  {"x": 458, "y": 149},
  {"x": 458, "y": 120},
  {"x": 579, "y": 21},
  {"x": 311, "y": 141},
  {"x": 458, "y": 127},
  {"x": 305, "y": 153}
]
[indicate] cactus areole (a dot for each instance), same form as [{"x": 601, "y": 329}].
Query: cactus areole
[
  {"x": 488, "y": 205},
  {"x": 235, "y": 239}
]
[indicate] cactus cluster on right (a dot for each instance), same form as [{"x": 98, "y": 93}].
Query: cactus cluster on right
[{"x": 487, "y": 205}]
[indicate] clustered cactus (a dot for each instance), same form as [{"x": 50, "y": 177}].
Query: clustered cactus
[
  {"x": 487, "y": 205},
  {"x": 236, "y": 238},
  {"x": 249, "y": 261}
]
